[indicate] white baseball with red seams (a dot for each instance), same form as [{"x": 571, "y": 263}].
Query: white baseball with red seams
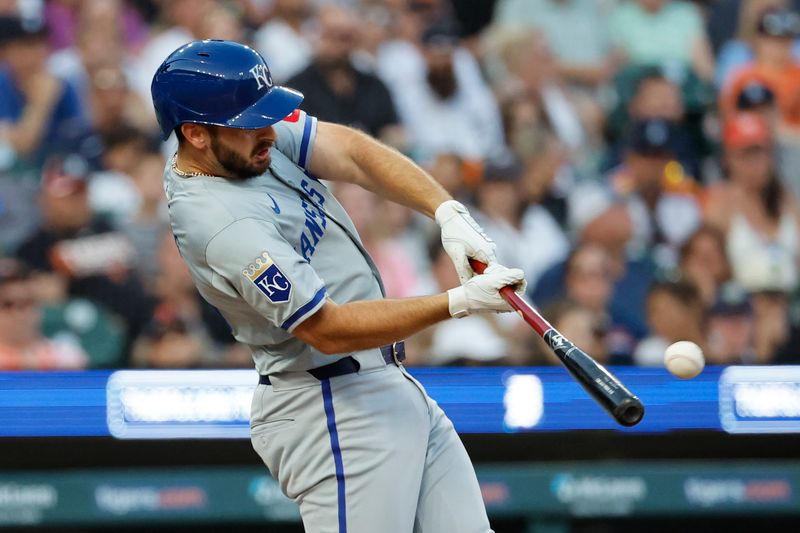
[{"x": 684, "y": 359}]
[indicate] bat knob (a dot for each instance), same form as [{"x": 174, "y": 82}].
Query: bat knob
[{"x": 629, "y": 412}]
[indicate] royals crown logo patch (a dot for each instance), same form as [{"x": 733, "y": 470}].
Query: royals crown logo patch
[{"x": 269, "y": 279}]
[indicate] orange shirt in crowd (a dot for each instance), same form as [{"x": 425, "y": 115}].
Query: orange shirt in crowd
[
  {"x": 42, "y": 355},
  {"x": 784, "y": 83}
]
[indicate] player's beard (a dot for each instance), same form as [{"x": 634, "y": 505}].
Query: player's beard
[{"x": 236, "y": 165}]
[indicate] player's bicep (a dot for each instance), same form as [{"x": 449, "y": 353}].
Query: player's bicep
[
  {"x": 266, "y": 272},
  {"x": 332, "y": 158}
]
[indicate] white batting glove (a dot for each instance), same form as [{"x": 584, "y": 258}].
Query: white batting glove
[
  {"x": 463, "y": 238},
  {"x": 480, "y": 293}
]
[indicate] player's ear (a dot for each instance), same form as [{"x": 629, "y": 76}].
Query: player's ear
[{"x": 197, "y": 135}]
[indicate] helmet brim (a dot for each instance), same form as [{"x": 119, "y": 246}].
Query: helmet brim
[{"x": 276, "y": 105}]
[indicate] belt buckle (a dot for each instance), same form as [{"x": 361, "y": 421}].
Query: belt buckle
[{"x": 394, "y": 355}]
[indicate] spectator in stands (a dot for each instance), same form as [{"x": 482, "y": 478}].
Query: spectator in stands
[
  {"x": 549, "y": 168},
  {"x": 181, "y": 21},
  {"x": 580, "y": 44},
  {"x": 736, "y": 47},
  {"x": 336, "y": 91},
  {"x": 113, "y": 193},
  {"x": 573, "y": 116},
  {"x": 37, "y": 110},
  {"x": 657, "y": 97},
  {"x": 549, "y": 175},
  {"x": 675, "y": 312},
  {"x": 756, "y": 97},
  {"x": 525, "y": 234},
  {"x": 180, "y": 332},
  {"x": 448, "y": 170},
  {"x": 19, "y": 215},
  {"x": 397, "y": 242},
  {"x": 112, "y": 103},
  {"x": 146, "y": 225},
  {"x": 285, "y": 39},
  {"x": 659, "y": 197},
  {"x": 773, "y": 65},
  {"x": 775, "y": 337},
  {"x": 584, "y": 327},
  {"x": 441, "y": 97},
  {"x": 731, "y": 20},
  {"x": 663, "y": 32},
  {"x": 390, "y": 237},
  {"x": 22, "y": 345},
  {"x": 703, "y": 262},
  {"x": 64, "y": 18},
  {"x": 80, "y": 252},
  {"x": 525, "y": 125},
  {"x": 223, "y": 21},
  {"x": 757, "y": 214},
  {"x": 603, "y": 279},
  {"x": 98, "y": 42},
  {"x": 122, "y": 149},
  {"x": 730, "y": 328},
  {"x": 776, "y": 66},
  {"x": 589, "y": 277},
  {"x": 376, "y": 24}
]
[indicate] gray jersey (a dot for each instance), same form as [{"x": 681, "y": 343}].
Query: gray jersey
[{"x": 268, "y": 251}]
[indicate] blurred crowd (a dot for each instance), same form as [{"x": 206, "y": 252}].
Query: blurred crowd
[{"x": 639, "y": 159}]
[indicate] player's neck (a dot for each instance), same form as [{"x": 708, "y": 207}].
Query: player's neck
[{"x": 191, "y": 162}]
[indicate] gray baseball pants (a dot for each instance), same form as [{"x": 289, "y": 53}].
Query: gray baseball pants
[{"x": 366, "y": 453}]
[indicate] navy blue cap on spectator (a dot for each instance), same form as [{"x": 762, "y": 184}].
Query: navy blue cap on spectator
[
  {"x": 779, "y": 22},
  {"x": 503, "y": 169},
  {"x": 754, "y": 94},
  {"x": 732, "y": 300},
  {"x": 443, "y": 33},
  {"x": 652, "y": 136},
  {"x": 14, "y": 29}
]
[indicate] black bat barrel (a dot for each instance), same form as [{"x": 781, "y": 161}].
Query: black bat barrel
[{"x": 607, "y": 390}]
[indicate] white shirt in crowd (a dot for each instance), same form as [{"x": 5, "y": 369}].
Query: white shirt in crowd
[
  {"x": 286, "y": 51},
  {"x": 535, "y": 246},
  {"x": 468, "y": 123}
]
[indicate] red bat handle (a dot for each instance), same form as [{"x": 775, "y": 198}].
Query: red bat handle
[{"x": 525, "y": 310}]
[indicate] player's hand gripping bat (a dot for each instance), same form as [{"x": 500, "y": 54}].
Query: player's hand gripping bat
[{"x": 603, "y": 386}]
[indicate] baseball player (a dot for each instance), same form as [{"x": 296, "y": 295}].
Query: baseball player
[{"x": 347, "y": 432}]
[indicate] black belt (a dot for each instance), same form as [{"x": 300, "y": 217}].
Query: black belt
[{"x": 393, "y": 354}]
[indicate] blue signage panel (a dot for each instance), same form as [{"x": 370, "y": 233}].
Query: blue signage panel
[{"x": 216, "y": 403}]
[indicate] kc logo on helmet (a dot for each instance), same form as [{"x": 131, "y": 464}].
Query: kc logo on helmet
[
  {"x": 269, "y": 279},
  {"x": 262, "y": 76}
]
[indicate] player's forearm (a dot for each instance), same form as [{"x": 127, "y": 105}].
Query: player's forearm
[
  {"x": 396, "y": 177},
  {"x": 384, "y": 171},
  {"x": 367, "y": 324}
]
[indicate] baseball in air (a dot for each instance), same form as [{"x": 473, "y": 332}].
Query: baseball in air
[{"x": 684, "y": 359}]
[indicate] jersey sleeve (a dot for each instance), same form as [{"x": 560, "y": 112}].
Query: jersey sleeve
[
  {"x": 296, "y": 135},
  {"x": 266, "y": 272}
]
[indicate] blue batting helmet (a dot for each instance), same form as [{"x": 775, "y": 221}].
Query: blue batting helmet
[{"x": 221, "y": 83}]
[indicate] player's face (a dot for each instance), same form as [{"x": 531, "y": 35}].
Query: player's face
[{"x": 243, "y": 154}]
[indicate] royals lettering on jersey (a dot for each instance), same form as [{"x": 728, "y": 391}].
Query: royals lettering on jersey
[
  {"x": 269, "y": 279},
  {"x": 315, "y": 222}
]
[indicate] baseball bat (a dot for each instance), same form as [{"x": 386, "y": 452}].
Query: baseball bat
[{"x": 601, "y": 384}]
